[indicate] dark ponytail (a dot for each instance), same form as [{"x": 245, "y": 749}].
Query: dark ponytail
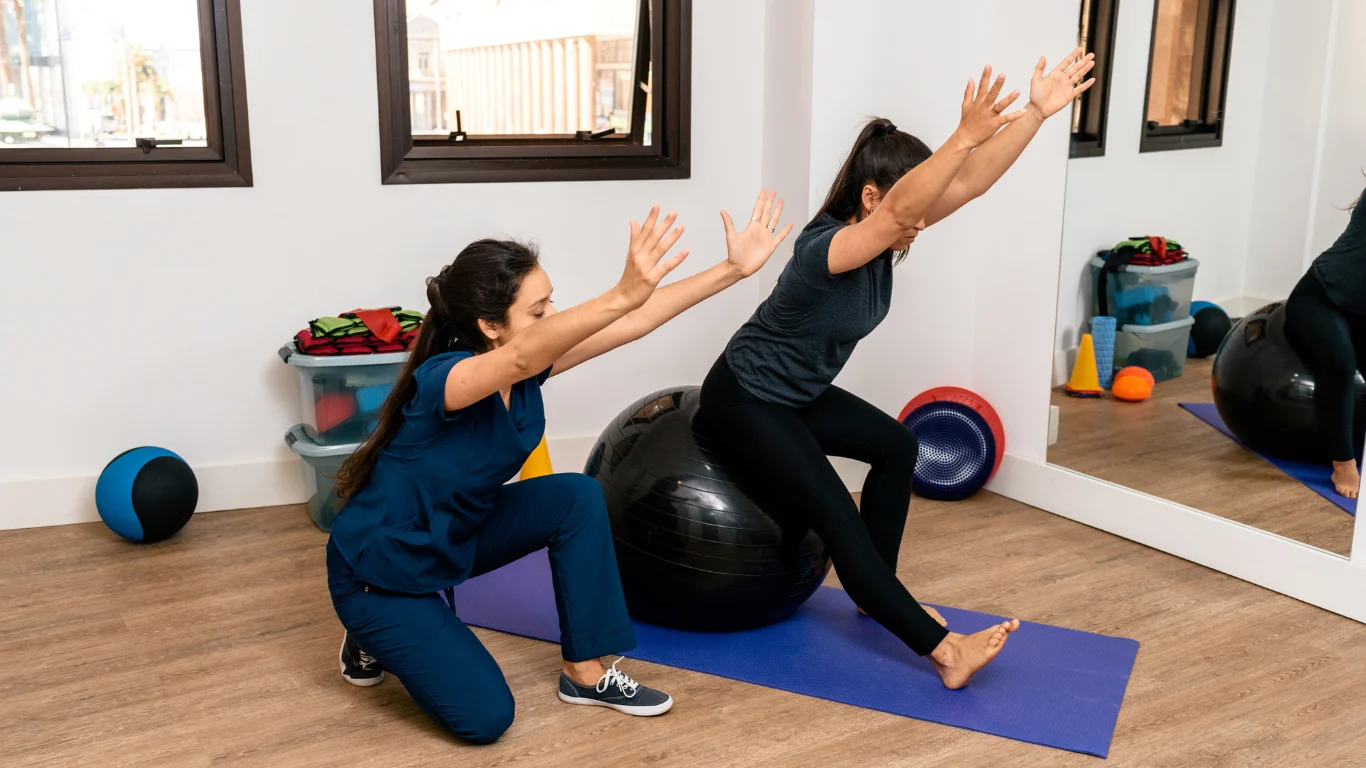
[
  {"x": 881, "y": 156},
  {"x": 481, "y": 284}
]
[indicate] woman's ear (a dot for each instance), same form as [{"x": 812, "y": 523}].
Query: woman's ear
[
  {"x": 491, "y": 331},
  {"x": 872, "y": 196}
]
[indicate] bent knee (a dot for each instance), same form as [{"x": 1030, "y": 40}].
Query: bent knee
[{"x": 486, "y": 727}]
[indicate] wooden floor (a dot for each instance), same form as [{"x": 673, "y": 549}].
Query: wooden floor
[
  {"x": 1159, "y": 448},
  {"x": 218, "y": 648}
]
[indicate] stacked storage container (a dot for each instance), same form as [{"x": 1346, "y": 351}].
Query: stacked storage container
[{"x": 1152, "y": 308}]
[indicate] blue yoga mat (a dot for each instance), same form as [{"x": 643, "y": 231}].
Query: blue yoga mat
[
  {"x": 1056, "y": 687},
  {"x": 1316, "y": 477}
]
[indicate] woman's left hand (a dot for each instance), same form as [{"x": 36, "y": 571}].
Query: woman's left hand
[
  {"x": 1051, "y": 92},
  {"x": 748, "y": 249}
]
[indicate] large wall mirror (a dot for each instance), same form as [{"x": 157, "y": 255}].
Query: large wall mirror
[{"x": 1212, "y": 292}]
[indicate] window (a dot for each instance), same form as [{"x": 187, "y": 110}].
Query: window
[
  {"x": 1096, "y": 34},
  {"x": 533, "y": 90},
  {"x": 1187, "y": 74},
  {"x": 105, "y": 94}
]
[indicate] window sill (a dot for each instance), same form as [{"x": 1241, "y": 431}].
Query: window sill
[{"x": 1166, "y": 143}]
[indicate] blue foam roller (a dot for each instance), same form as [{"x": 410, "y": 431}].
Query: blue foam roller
[{"x": 1103, "y": 339}]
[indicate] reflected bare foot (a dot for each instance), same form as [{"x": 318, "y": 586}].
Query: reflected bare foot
[
  {"x": 959, "y": 657},
  {"x": 1346, "y": 478}
]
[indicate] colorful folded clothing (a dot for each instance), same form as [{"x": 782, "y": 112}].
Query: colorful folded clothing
[
  {"x": 360, "y": 332},
  {"x": 1147, "y": 251}
]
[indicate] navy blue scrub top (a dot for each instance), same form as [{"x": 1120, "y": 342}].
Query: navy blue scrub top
[{"x": 412, "y": 527}]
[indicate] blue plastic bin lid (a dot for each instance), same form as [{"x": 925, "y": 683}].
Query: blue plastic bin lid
[
  {"x": 1185, "y": 265},
  {"x": 299, "y": 442},
  {"x": 290, "y": 354}
]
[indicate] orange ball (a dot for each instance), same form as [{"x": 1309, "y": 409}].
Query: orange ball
[
  {"x": 1132, "y": 389},
  {"x": 1134, "y": 370}
]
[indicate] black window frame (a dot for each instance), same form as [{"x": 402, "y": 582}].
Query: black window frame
[
  {"x": 1217, "y": 50},
  {"x": 1094, "y": 105},
  {"x": 225, "y": 162},
  {"x": 461, "y": 158}
]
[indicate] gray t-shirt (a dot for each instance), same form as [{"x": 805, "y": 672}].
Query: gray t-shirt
[
  {"x": 804, "y": 332},
  {"x": 1342, "y": 268}
]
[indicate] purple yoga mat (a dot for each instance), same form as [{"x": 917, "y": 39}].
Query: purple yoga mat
[
  {"x": 1316, "y": 477},
  {"x": 1056, "y": 687}
]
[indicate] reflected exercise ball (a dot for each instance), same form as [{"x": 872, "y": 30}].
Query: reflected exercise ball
[
  {"x": 695, "y": 550},
  {"x": 1265, "y": 393}
]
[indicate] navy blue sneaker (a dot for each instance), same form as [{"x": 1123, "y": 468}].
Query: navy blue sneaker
[
  {"x": 357, "y": 666},
  {"x": 617, "y": 691}
]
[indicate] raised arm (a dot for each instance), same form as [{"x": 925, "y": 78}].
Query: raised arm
[
  {"x": 907, "y": 203},
  {"x": 1048, "y": 94},
  {"x": 746, "y": 251},
  {"x": 536, "y": 348}
]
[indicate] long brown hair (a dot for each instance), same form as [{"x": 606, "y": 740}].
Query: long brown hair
[
  {"x": 881, "y": 155},
  {"x": 481, "y": 284}
]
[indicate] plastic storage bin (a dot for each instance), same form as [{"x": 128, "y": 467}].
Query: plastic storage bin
[
  {"x": 323, "y": 462},
  {"x": 1145, "y": 295},
  {"x": 1159, "y": 348},
  {"x": 342, "y": 395}
]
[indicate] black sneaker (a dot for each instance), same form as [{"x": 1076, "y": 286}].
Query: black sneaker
[
  {"x": 357, "y": 666},
  {"x": 617, "y": 691}
]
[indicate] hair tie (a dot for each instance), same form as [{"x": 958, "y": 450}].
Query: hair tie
[{"x": 888, "y": 129}]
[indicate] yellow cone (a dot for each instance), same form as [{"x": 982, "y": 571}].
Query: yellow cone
[
  {"x": 538, "y": 463},
  {"x": 1085, "y": 382}
]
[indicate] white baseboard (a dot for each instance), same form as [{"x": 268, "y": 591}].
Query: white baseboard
[{"x": 68, "y": 500}]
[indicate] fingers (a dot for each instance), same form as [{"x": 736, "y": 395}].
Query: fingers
[
  {"x": 996, "y": 88},
  {"x": 774, "y": 217},
  {"x": 1080, "y": 71},
  {"x": 667, "y": 243},
  {"x": 1038, "y": 68},
  {"x": 768, "y": 208},
  {"x": 1068, "y": 60},
  {"x": 1079, "y": 90},
  {"x": 1011, "y": 117},
  {"x": 1007, "y": 101},
  {"x": 664, "y": 268},
  {"x": 649, "y": 224},
  {"x": 782, "y": 235},
  {"x": 652, "y": 236},
  {"x": 985, "y": 84},
  {"x": 727, "y": 223},
  {"x": 968, "y": 94},
  {"x": 758, "y": 205}
]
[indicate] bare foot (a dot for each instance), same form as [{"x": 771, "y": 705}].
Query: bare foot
[
  {"x": 1346, "y": 478},
  {"x": 943, "y": 622},
  {"x": 959, "y": 657}
]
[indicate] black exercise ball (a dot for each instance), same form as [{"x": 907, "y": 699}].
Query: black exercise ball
[
  {"x": 694, "y": 550},
  {"x": 1212, "y": 324},
  {"x": 146, "y": 494},
  {"x": 1265, "y": 393}
]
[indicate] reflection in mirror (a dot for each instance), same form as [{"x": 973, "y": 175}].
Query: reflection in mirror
[{"x": 1212, "y": 311}]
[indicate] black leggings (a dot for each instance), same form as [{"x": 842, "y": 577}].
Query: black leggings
[
  {"x": 782, "y": 453},
  {"x": 1331, "y": 341}
]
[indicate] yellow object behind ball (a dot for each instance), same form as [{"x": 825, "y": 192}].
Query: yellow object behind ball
[{"x": 538, "y": 463}]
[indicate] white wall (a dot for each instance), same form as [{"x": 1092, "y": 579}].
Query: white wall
[
  {"x": 1343, "y": 134},
  {"x": 152, "y": 317},
  {"x": 1200, "y": 197}
]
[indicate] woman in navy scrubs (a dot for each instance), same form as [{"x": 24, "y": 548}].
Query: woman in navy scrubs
[{"x": 428, "y": 502}]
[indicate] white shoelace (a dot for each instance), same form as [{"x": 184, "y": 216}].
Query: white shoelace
[
  {"x": 623, "y": 682},
  {"x": 367, "y": 661}
]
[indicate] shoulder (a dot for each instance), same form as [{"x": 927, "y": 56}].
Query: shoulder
[
  {"x": 821, "y": 229},
  {"x": 444, "y": 361}
]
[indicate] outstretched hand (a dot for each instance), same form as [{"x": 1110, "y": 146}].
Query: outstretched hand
[
  {"x": 1051, "y": 92},
  {"x": 645, "y": 262},
  {"x": 749, "y": 249},
  {"x": 982, "y": 113}
]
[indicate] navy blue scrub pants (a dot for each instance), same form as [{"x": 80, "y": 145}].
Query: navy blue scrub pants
[{"x": 448, "y": 672}]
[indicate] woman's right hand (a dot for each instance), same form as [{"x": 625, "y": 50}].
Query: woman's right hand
[
  {"x": 982, "y": 113},
  {"x": 645, "y": 263}
]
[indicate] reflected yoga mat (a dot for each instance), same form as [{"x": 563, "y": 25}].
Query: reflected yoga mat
[
  {"x": 1316, "y": 477},
  {"x": 1056, "y": 687}
]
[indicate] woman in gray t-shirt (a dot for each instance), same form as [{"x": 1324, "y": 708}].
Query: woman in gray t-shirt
[{"x": 769, "y": 401}]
